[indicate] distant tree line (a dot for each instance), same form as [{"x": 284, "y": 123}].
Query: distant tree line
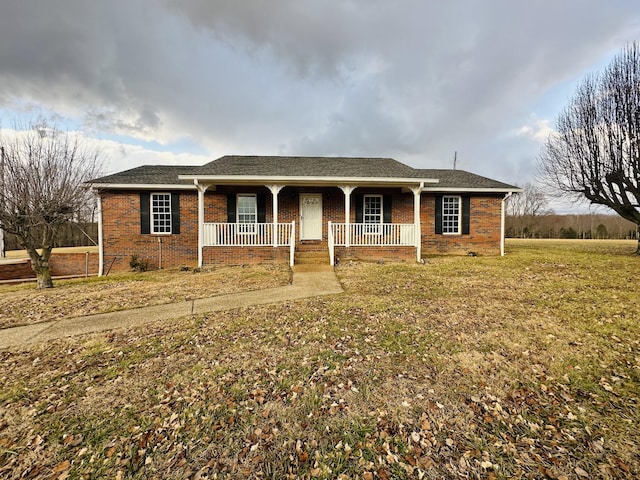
[
  {"x": 74, "y": 234},
  {"x": 528, "y": 216},
  {"x": 585, "y": 226}
]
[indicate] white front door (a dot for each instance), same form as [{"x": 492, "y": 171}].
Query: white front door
[{"x": 310, "y": 216}]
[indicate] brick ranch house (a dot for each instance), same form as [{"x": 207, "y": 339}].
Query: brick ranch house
[{"x": 253, "y": 209}]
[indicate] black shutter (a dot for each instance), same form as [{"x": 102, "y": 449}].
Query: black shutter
[
  {"x": 175, "y": 213},
  {"x": 439, "y": 214},
  {"x": 262, "y": 207},
  {"x": 358, "y": 199},
  {"x": 145, "y": 213},
  {"x": 386, "y": 209},
  {"x": 231, "y": 208},
  {"x": 466, "y": 214}
]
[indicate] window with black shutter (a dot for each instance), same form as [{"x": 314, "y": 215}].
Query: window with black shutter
[
  {"x": 452, "y": 214},
  {"x": 159, "y": 213}
]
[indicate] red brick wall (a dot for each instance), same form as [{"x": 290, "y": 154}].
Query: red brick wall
[
  {"x": 288, "y": 205},
  {"x": 373, "y": 254},
  {"x": 122, "y": 237},
  {"x": 62, "y": 265},
  {"x": 244, "y": 255},
  {"x": 72, "y": 264},
  {"x": 16, "y": 269},
  {"x": 484, "y": 228}
]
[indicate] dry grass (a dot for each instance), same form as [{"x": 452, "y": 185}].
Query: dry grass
[
  {"x": 22, "y": 304},
  {"x": 526, "y": 366}
]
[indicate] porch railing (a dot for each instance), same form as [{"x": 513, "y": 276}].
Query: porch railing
[
  {"x": 248, "y": 234},
  {"x": 370, "y": 235},
  {"x": 373, "y": 234}
]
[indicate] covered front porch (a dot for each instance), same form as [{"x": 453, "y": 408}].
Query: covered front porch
[{"x": 342, "y": 221}]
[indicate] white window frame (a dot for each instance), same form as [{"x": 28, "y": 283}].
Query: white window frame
[
  {"x": 451, "y": 222},
  {"x": 244, "y": 227},
  {"x": 160, "y": 215},
  {"x": 372, "y": 228}
]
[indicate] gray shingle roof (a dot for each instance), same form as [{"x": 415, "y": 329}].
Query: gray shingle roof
[
  {"x": 461, "y": 179},
  {"x": 149, "y": 175},
  {"x": 307, "y": 167},
  {"x": 272, "y": 166}
]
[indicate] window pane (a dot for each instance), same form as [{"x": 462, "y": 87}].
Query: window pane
[
  {"x": 372, "y": 209},
  {"x": 450, "y": 214},
  {"x": 372, "y": 213},
  {"x": 161, "y": 213},
  {"x": 247, "y": 209}
]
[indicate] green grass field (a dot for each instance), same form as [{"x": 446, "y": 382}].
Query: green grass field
[{"x": 525, "y": 366}]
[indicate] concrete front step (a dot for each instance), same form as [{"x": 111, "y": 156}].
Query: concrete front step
[
  {"x": 320, "y": 257},
  {"x": 311, "y": 248},
  {"x": 311, "y": 267}
]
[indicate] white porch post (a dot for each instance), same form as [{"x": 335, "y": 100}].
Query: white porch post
[
  {"x": 347, "y": 189},
  {"x": 100, "y": 241},
  {"x": 201, "y": 189},
  {"x": 2, "y": 254},
  {"x": 416, "y": 220},
  {"x": 502, "y": 219},
  {"x": 275, "y": 189}
]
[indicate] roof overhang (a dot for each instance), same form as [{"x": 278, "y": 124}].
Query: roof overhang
[
  {"x": 438, "y": 189},
  {"x": 306, "y": 181},
  {"x": 140, "y": 186}
]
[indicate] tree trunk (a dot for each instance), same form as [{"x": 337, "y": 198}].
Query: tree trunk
[
  {"x": 43, "y": 277},
  {"x": 40, "y": 265}
]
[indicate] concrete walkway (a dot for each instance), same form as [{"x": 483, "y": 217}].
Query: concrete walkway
[{"x": 308, "y": 282}]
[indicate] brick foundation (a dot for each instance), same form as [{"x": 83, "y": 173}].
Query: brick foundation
[
  {"x": 244, "y": 255},
  {"x": 374, "y": 254}
]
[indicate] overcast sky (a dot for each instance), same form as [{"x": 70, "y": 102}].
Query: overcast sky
[{"x": 187, "y": 81}]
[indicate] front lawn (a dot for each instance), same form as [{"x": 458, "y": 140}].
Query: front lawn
[
  {"x": 526, "y": 366},
  {"x": 22, "y": 304}
]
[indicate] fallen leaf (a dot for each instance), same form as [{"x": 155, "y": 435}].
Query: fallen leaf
[
  {"x": 581, "y": 472},
  {"x": 62, "y": 466}
]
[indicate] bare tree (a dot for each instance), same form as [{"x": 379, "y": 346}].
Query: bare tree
[
  {"x": 595, "y": 153},
  {"x": 43, "y": 172},
  {"x": 524, "y": 211}
]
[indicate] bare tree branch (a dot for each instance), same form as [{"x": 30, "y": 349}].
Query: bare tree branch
[
  {"x": 524, "y": 210},
  {"x": 595, "y": 153},
  {"x": 44, "y": 169}
]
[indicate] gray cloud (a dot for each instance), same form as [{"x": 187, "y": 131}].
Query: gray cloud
[{"x": 414, "y": 79}]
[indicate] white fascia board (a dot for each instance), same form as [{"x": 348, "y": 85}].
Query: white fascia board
[
  {"x": 307, "y": 181},
  {"x": 470, "y": 190},
  {"x": 140, "y": 186}
]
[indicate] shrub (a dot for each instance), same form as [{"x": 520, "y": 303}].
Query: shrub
[{"x": 138, "y": 264}]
